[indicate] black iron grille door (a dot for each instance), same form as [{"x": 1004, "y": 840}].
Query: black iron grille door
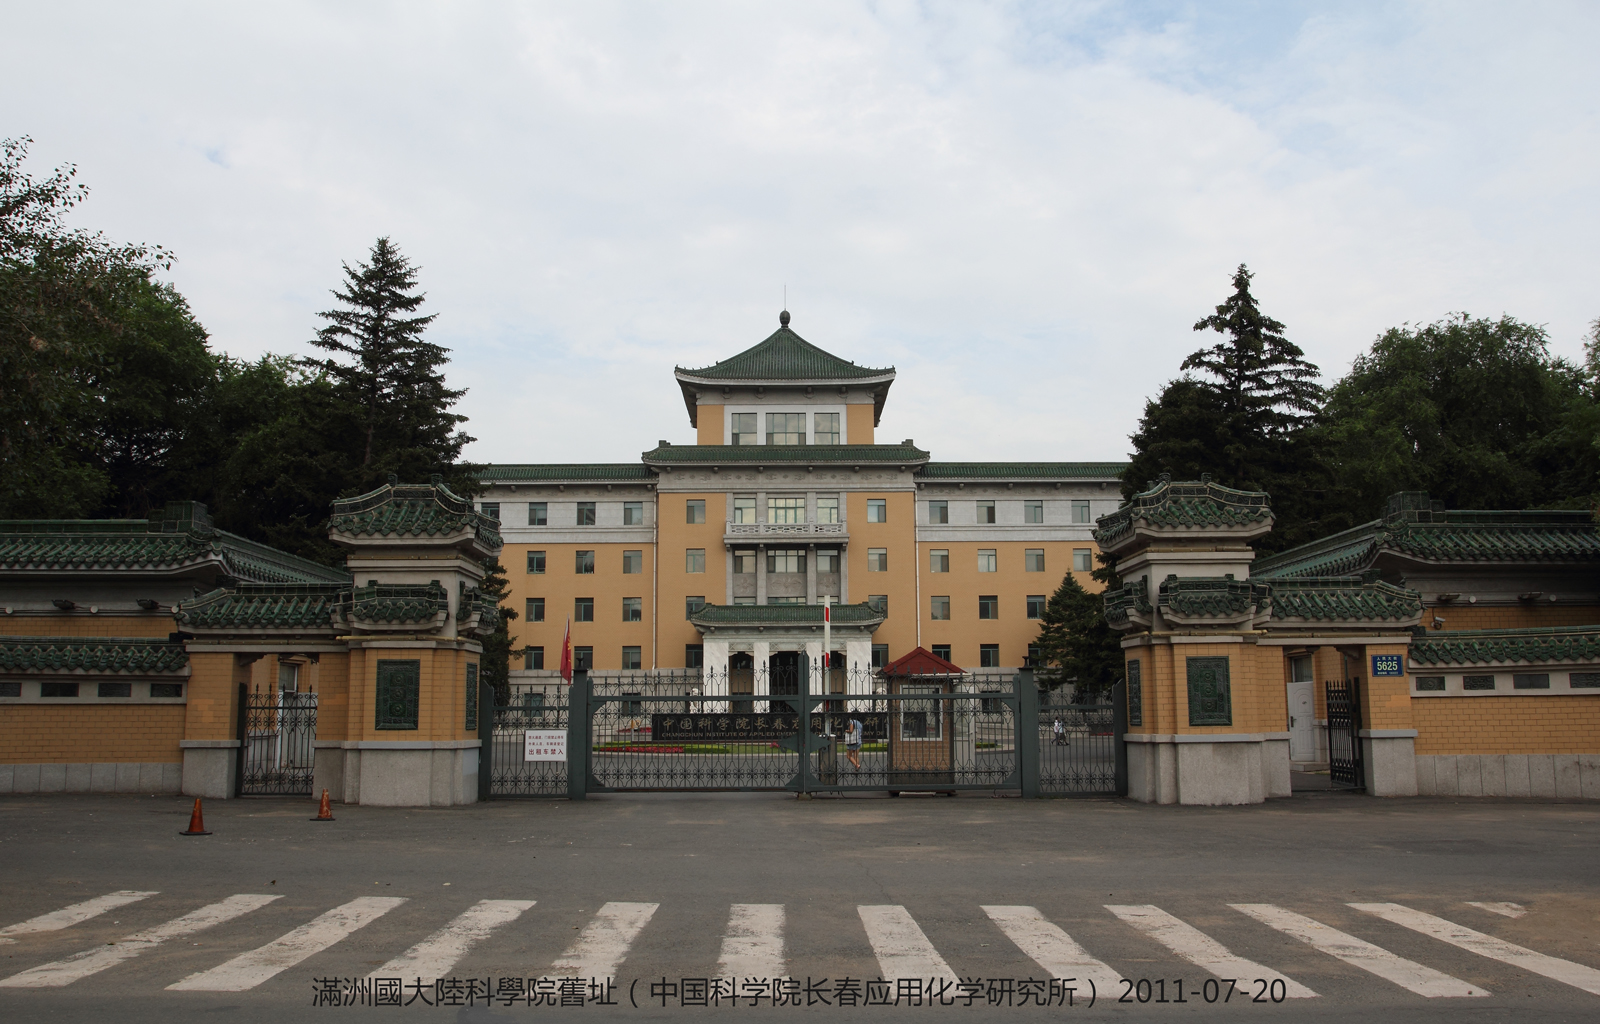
[
  {"x": 1345, "y": 769},
  {"x": 275, "y": 738},
  {"x": 1077, "y": 750},
  {"x": 519, "y": 764}
]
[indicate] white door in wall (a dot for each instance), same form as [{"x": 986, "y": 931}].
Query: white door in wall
[{"x": 1302, "y": 722}]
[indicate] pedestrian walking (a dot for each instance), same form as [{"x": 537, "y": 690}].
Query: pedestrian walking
[
  {"x": 852, "y": 742},
  {"x": 1060, "y": 732}
]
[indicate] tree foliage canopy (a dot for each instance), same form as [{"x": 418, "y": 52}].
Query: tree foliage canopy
[{"x": 1075, "y": 643}]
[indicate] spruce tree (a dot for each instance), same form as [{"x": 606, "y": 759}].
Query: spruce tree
[
  {"x": 1076, "y": 645},
  {"x": 498, "y": 647}
]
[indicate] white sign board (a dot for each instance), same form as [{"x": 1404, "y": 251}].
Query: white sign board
[{"x": 544, "y": 745}]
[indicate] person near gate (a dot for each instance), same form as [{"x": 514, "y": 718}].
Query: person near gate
[
  {"x": 852, "y": 742},
  {"x": 1060, "y": 732}
]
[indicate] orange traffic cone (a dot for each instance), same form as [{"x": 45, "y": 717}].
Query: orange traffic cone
[
  {"x": 324, "y": 812},
  {"x": 197, "y": 826}
]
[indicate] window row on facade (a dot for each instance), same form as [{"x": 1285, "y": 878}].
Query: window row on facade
[
  {"x": 783, "y": 428},
  {"x": 632, "y": 656},
  {"x": 793, "y": 560},
  {"x": 783, "y": 509}
]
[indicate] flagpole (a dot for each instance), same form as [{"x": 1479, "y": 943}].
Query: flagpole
[{"x": 827, "y": 639}]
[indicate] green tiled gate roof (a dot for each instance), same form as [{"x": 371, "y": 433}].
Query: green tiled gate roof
[
  {"x": 1198, "y": 504},
  {"x": 91, "y": 654},
  {"x": 785, "y": 356},
  {"x": 263, "y": 607},
  {"x": 411, "y": 510}
]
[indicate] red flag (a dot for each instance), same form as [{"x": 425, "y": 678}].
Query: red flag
[{"x": 566, "y": 653}]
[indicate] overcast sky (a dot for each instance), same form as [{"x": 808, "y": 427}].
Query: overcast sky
[{"x": 1023, "y": 208}]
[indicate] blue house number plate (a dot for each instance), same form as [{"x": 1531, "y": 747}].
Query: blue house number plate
[{"x": 1387, "y": 665}]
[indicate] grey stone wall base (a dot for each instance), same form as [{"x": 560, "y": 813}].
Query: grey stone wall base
[
  {"x": 1208, "y": 774},
  {"x": 210, "y": 772},
  {"x": 1539, "y": 776},
  {"x": 104, "y": 777},
  {"x": 1390, "y": 763},
  {"x": 398, "y": 778}
]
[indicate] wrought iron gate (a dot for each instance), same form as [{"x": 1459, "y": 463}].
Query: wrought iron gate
[
  {"x": 1079, "y": 746},
  {"x": 1345, "y": 768},
  {"x": 511, "y": 765},
  {"x": 276, "y": 750}
]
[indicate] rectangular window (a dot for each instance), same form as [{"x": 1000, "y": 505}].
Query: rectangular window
[
  {"x": 786, "y": 560},
  {"x": 695, "y": 511},
  {"x": 472, "y": 698},
  {"x": 632, "y": 563},
  {"x": 399, "y": 686},
  {"x": 582, "y": 659},
  {"x": 786, "y": 428},
  {"x": 692, "y": 604},
  {"x": 632, "y": 658},
  {"x": 58, "y": 689},
  {"x": 744, "y": 562},
  {"x": 921, "y": 719},
  {"x": 694, "y": 560},
  {"x": 115, "y": 690},
  {"x": 1477, "y": 682},
  {"x": 828, "y": 509},
  {"x": 877, "y": 559},
  {"x": 938, "y": 513},
  {"x": 1033, "y": 511},
  {"x": 583, "y": 563},
  {"x": 1584, "y": 680},
  {"x": 880, "y": 655},
  {"x": 1082, "y": 560},
  {"x": 490, "y": 509},
  {"x": 743, "y": 426},
  {"x": 538, "y": 513},
  {"x": 938, "y": 559},
  {"x": 533, "y": 658},
  {"x": 1530, "y": 681},
  {"x": 1136, "y": 692},
  {"x": 536, "y": 562},
  {"x": 877, "y": 510},
  {"x": 744, "y": 509},
  {"x": 585, "y": 513},
  {"x": 535, "y": 609},
  {"x": 879, "y": 602},
  {"x": 985, "y": 512},
  {"x": 633, "y": 609},
  {"x": 940, "y": 607},
  {"x": 827, "y": 560},
  {"x": 583, "y": 609},
  {"x": 694, "y": 655},
  {"x": 633, "y": 513},
  {"x": 988, "y": 561},
  {"x": 1430, "y": 684},
  {"x": 941, "y": 651},
  {"x": 786, "y": 600},
  {"x": 156, "y": 690},
  {"x": 1033, "y": 560},
  {"x": 988, "y": 606},
  {"x": 786, "y": 510},
  {"x": 988, "y": 655},
  {"x": 1080, "y": 512},
  {"x": 825, "y": 428},
  {"x": 1036, "y": 604}
]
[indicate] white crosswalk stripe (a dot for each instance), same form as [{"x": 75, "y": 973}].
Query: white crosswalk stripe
[
  {"x": 1512, "y": 910},
  {"x": 1554, "y": 968},
  {"x": 247, "y": 970},
  {"x": 1052, "y": 948},
  {"x": 752, "y": 946},
  {"x": 93, "y": 961},
  {"x": 68, "y": 916},
  {"x": 604, "y": 943},
  {"x": 435, "y": 955},
  {"x": 1424, "y": 981},
  {"x": 1201, "y": 949},
  {"x": 901, "y": 948}
]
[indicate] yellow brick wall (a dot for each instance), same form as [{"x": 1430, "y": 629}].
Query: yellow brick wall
[
  {"x": 1255, "y": 679},
  {"x": 213, "y": 692},
  {"x": 1508, "y": 725},
  {"x": 1520, "y": 616},
  {"x": 858, "y": 424},
  {"x": 709, "y": 423},
  {"x": 1386, "y": 701},
  {"x": 95, "y": 733},
  {"x": 156, "y": 624}
]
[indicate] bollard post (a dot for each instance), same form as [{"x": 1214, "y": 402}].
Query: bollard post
[
  {"x": 1027, "y": 732},
  {"x": 578, "y": 741}
]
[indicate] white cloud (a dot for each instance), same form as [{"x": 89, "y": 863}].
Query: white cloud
[{"x": 1022, "y": 208}]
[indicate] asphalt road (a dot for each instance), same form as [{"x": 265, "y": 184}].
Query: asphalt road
[{"x": 665, "y": 888}]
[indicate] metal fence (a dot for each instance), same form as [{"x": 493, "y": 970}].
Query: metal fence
[
  {"x": 1080, "y": 748},
  {"x": 510, "y": 765},
  {"x": 276, "y": 749}
]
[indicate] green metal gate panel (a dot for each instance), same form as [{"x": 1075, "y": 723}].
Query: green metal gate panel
[{"x": 399, "y": 692}]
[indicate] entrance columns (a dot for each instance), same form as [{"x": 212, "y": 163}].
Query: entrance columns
[
  {"x": 714, "y": 672},
  {"x": 858, "y": 656},
  {"x": 1388, "y": 737},
  {"x": 761, "y": 581},
  {"x": 761, "y": 653},
  {"x": 815, "y": 670}
]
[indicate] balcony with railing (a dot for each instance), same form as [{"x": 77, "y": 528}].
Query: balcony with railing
[{"x": 782, "y": 533}]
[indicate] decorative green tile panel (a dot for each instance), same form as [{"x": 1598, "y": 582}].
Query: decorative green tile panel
[
  {"x": 399, "y": 693},
  {"x": 90, "y": 654},
  {"x": 1210, "y": 702},
  {"x": 1501, "y": 646},
  {"x": 472, "y": 697},
  {"x": 1135, "y": 692}
]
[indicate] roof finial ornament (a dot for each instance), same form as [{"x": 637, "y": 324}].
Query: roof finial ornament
[{"x": 783, "y": 318}]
